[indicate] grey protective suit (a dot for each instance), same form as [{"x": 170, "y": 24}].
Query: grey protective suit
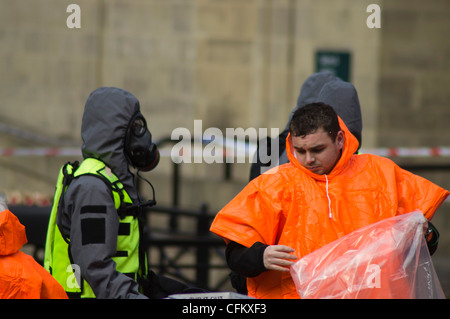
[{"x": 104, "y": 126}]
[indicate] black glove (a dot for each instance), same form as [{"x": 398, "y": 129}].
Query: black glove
[{"x": 432, "y": 238}]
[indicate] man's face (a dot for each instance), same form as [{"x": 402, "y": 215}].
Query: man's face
[{"x": 317, "y": 152}]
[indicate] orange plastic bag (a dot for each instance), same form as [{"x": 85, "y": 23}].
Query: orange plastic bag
[{"x": 388, "y": 259}]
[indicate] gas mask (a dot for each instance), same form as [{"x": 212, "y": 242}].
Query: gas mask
[{"x": 139, "y": 148}]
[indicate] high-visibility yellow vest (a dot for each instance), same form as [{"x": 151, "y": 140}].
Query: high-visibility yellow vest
[{"x": 129, "y": 259}]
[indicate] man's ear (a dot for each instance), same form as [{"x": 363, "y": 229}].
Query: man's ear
[{"x": 340, "y": 139}]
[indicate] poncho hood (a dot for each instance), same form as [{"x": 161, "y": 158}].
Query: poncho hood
[
  {"x": 12, "y": 234},
  {"x": 350, "y": 147}
]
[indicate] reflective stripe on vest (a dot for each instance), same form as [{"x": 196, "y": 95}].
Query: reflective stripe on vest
[{"x": 57, "y": 259}]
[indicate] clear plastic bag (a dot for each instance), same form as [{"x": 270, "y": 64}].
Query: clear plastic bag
[{"x": 388, "y": 259}]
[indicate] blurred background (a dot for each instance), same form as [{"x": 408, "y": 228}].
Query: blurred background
[{"x": 229, "y": 63}]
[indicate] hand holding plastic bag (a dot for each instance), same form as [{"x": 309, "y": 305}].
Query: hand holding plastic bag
[{"x": 388, "y": 259}]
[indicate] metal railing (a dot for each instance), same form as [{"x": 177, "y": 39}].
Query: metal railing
[{"x": 171, "y": 244}]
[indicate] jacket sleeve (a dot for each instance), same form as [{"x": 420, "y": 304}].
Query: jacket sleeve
[
  {"x": 254, "y": 215},
  {"x": 93, "y": 238},
  {"x": 248, "y": 262},
  {"x": 417, "y": 193}
]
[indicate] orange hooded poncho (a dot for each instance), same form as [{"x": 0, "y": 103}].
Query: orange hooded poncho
[
  {"x": 21, "y": 277},
  {"x": 289, "y": 205}
]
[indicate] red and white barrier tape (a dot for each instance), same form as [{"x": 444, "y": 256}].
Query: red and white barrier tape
[
  {"x": 46, "y": 152},
  {"x": 386, "y": 152},
  {"x": 409, "y": 152}
]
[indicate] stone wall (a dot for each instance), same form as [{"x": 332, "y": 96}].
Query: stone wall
[
  {"x": 229, "y": 63},
  {"x": 414, "y": 78}
]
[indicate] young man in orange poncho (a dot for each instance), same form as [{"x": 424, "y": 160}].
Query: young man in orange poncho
[{"x": 322, "y": 194}]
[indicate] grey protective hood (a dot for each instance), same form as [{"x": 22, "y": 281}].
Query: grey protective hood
[
  {"x": 107, "y": 112},
  {"x": 310, "y": 90},
  {"x": 342, "y": 96}
]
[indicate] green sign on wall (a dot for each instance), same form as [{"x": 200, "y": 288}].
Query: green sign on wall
[{"x": 333, "y": 61}]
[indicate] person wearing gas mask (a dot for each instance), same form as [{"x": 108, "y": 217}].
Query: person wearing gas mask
[{"x": 94, "y": 242}]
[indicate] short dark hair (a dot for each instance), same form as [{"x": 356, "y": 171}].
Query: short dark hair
[{"x": 311, "y": 117}]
